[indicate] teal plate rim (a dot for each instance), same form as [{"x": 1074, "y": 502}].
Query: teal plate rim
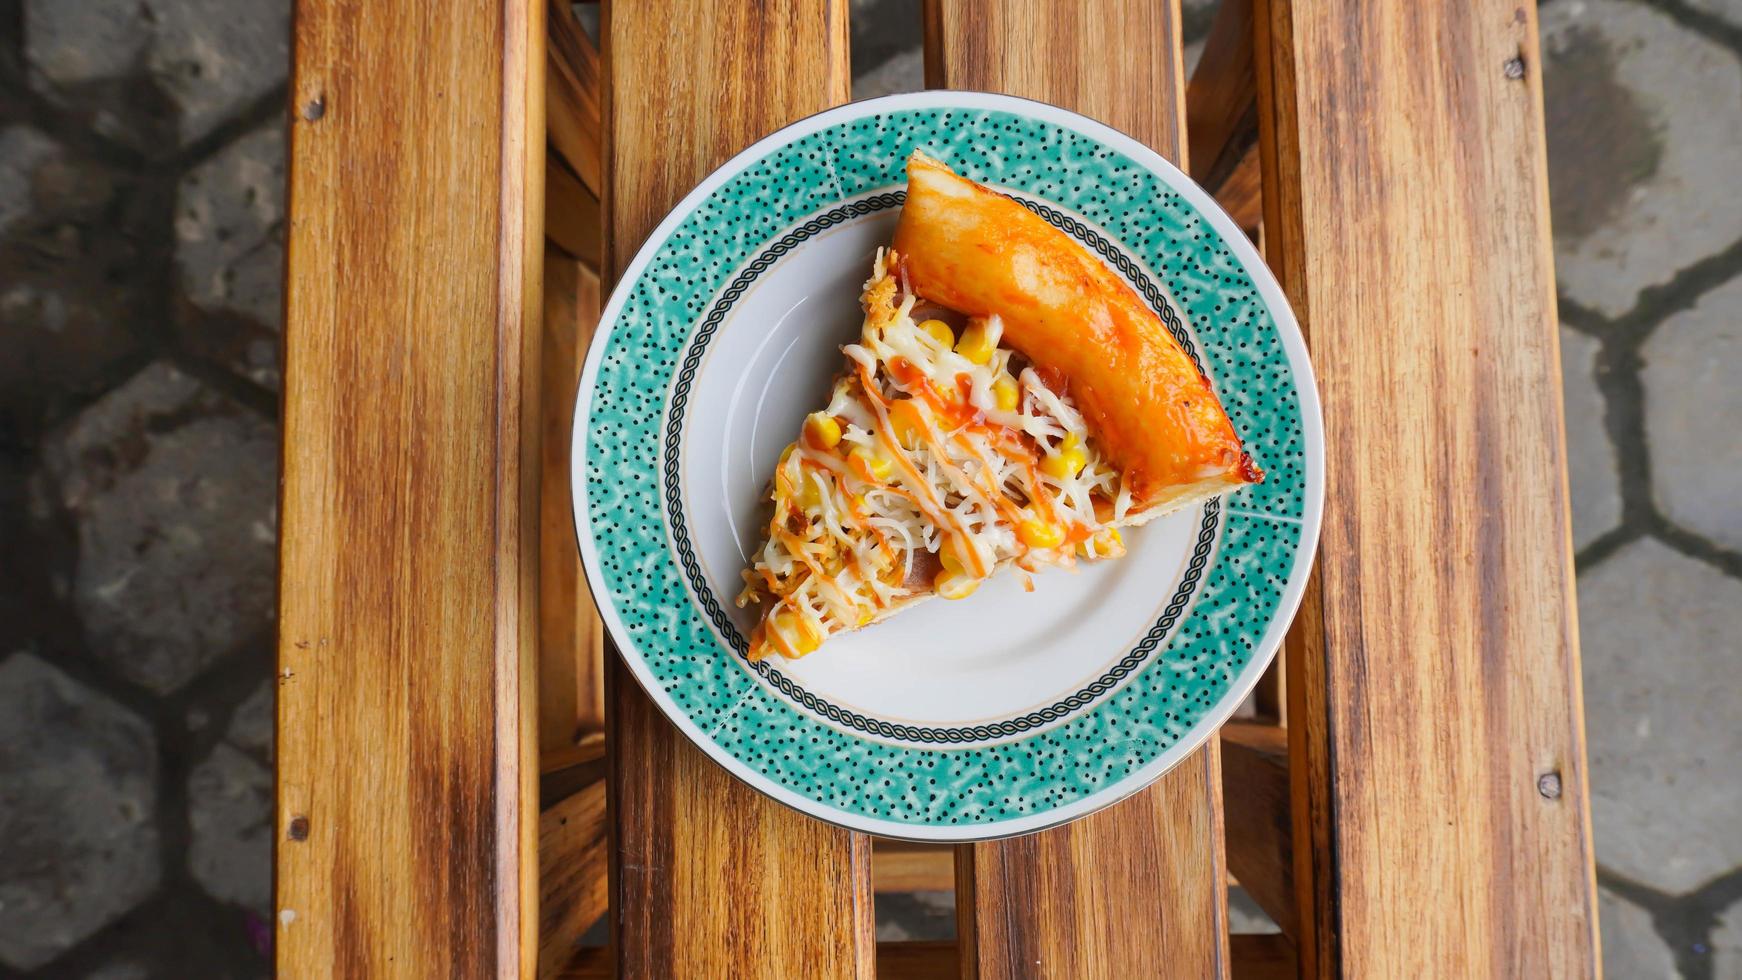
[{"x": 1253, "y": 351}]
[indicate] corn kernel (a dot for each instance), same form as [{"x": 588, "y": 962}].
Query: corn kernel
[
  {"x": 796, "y": 631},
  {"x": 952, "y": 586},
  {"x": 939, "y": 331},
  {"x": 809, "y": 497},
  {"x": 952, "y": 564},
  {"x": 1106, "y": 542},
  {"x": 976, "y": 342},
  {"x": 1006, "y": 393},
  {"x": 1039, "y": 534},
  {"x": 1064, "y": 464},
  {"x": 873, "y": 462},
  {"x": 906, "y": 424},
  {"x": 821, "y": 431}
]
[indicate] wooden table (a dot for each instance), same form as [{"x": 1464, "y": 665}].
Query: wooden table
[{"x": 467, "y": 779}]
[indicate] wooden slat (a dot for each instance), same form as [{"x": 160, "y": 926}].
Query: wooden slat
[
  {"x": 1137, "y": 889},
  {"x": 1117, "y": 61},
  {"x": 1255, "y": 796},
  {"x": 572, "y": 89},
  {"x": 571, "y": 875},
  {"x": 1410, "y": 226},
  {"x": 1263, "y": 957},
  {"x": 571, "y": 698},
  {"x": 902, "y": 866},
  {"x": 1134, "y": 890},
  {"x": 931, "y": 960},
  {"x": 408, "y": 560},
  {"x": 708, "y": 877}
]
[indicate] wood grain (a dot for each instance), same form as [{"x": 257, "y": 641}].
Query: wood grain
[
  {"x": 708, "y": 877},
  {"x": 1409, "y": 225},
  {"x": 572, "y": 90},
  {"x": 1117, "y": 61},
  {"x": 408, "y": 560},
  {"x": 1082, "y": 900},
  {"x": 571, "y": 645},
  {"x": 571, "y": 875},
  {"x": 904, "y": 866},
  {"x": 1136, "y": 890},
  {"x": 1255, "y": 803}
]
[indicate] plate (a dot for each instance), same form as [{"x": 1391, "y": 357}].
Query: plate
[{"x": 995, "y": 715}]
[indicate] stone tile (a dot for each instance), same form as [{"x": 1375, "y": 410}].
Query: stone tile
[
  {"x": 77, "y": 792},
  {"x": 1727, "y": 945},
  {"x": 120, "y": 970},
  {"x": 209, "y": 58},
  {"x": 76, "y": 279},
  {"x": 1632, "y": 949},
  {"x": 1639, "y": 172},
  {"x": 916, "y": 916},
  {"x": 252, "y": 723},
  {"x": 173, "y": 488},
  {"x": 1592, "y": 475},
  {"x": 882, "y": 29},
  {"x": 22, "y": 151},
  {"x": 230, "y": 812},
  {"x": 1658, "y": 632},
  {"x": 1245, "y": 917},
  {"x": 1692, "y": 404},
  {"x": 229, "y": 227},
  {"x": 1195, "y": 18},
  {"x": 68, "y": 43},
  {"x": 903, "y": 72},
  {"x": 1728, "y": 10}
]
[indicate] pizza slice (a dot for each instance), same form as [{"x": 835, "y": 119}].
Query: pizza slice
[{"x": 1010, "y": 401}]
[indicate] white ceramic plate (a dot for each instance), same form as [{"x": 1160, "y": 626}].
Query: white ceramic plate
[{"x": 1007, "y": 711}]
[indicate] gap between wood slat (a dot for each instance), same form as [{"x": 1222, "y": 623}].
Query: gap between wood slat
[
  {"x": 1222, "y": 115},
  {"x": 572, "y": 96},
  {"x": 572, "y": 220},
  {"x": 571, "y": 698},
  {"x": 1255, "y": 792},
  {"x": 571, "y": 873},
  {"x": 1263, "y": 956},
  {"x": 904, "y": 866}
]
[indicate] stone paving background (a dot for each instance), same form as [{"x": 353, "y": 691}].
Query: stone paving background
[{"x": 141, "y": 240}]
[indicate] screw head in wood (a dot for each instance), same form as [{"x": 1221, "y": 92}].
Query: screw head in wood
[{"x": 1549, "y": 785}]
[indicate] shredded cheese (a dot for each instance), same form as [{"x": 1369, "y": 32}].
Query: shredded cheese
[{"x": 930, "y": 484}]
